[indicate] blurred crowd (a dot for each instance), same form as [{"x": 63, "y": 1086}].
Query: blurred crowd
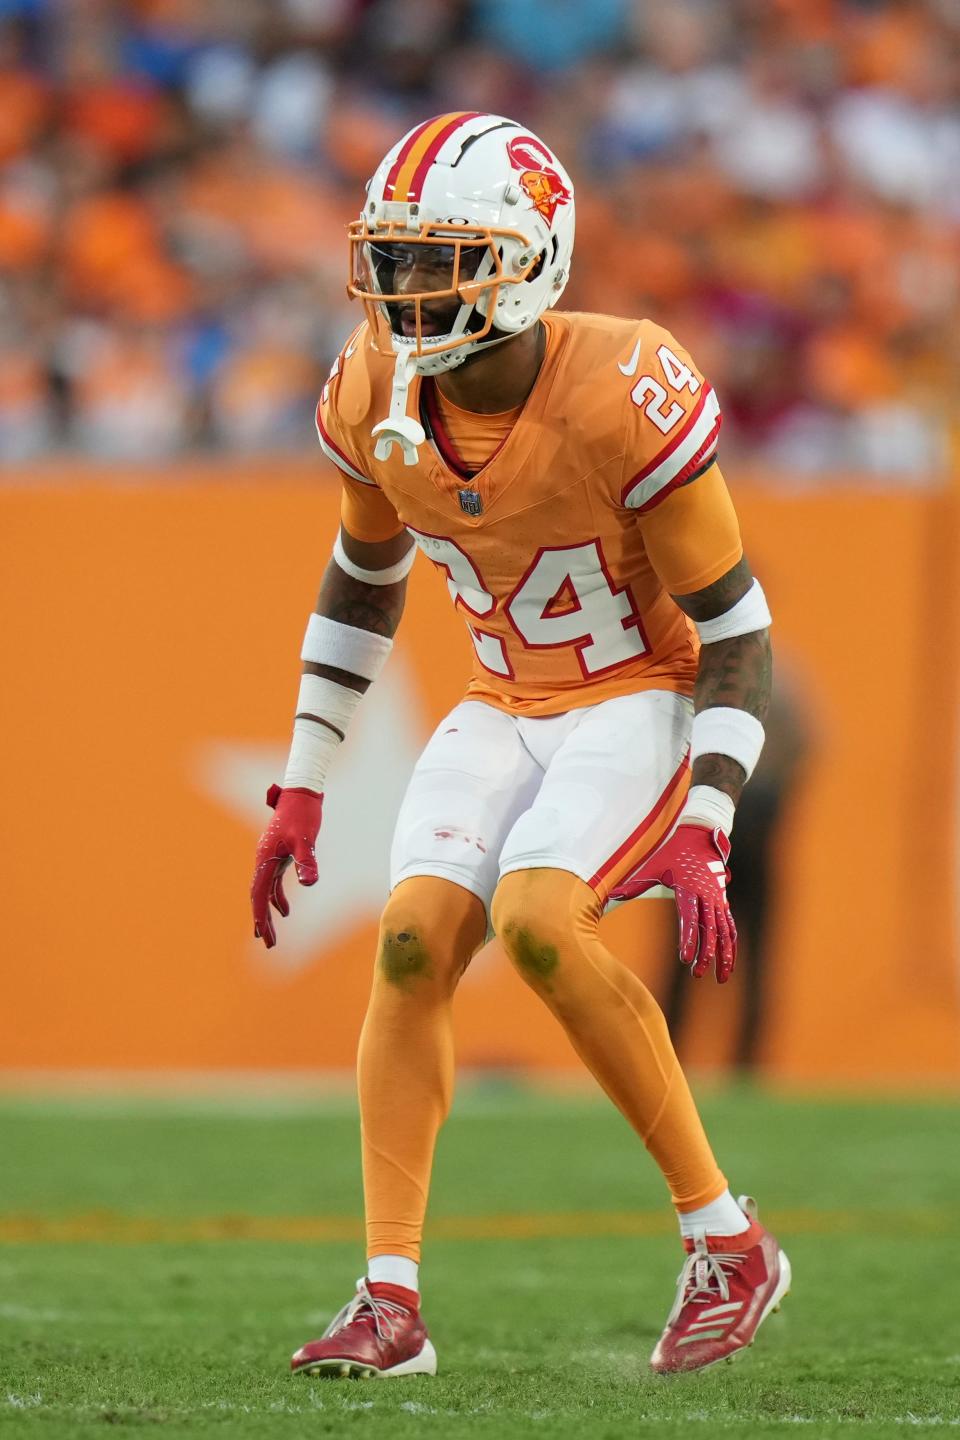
[{"x": 778, "y": 181}]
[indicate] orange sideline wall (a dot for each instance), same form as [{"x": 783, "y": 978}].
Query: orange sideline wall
[{"x": 153, "y": 622}]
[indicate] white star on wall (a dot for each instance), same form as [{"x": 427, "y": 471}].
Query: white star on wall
[{"x": 366, "y": 785}]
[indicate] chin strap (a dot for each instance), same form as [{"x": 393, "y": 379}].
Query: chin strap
[{"x": 399, "y": 428}]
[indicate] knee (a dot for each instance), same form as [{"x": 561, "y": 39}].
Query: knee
[
  {"x": 537, "y": 915},
  {"x": 404, "y": 956},
  {"x": 429, "y": 931}
]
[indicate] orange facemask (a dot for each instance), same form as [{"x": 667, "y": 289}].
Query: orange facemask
[{"x": 452, "y": 257}]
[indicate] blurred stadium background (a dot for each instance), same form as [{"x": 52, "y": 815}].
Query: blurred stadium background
[{"x": 778, "y": 181}]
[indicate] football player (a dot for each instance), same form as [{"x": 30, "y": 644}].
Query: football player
[{"x": 561, "y": 471}]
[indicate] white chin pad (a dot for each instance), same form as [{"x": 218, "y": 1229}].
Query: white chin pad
[{"x": 399, "y": 428}]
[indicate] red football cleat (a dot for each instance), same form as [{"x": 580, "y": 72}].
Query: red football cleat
[
  {"x": 376, "y": 1335},
  {"x": 727, "y": 1288}
]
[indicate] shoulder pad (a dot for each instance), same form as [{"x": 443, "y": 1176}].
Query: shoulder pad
[{"x": 350, "y": 378}]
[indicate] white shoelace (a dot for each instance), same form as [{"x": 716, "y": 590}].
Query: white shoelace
[
  {"x": 384, "y": 1312},
  {"x": 704, "y": 1277}
]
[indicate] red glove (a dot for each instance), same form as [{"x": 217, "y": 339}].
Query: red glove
[
  {"x": 291, "y": 835},
  {"x": 693, "y": 863}
]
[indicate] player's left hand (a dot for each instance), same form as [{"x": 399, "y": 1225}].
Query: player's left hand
[{"x": 693, "y": 864}]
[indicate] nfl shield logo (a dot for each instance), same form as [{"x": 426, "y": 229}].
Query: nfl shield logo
[{"x": 470, "y": 502}]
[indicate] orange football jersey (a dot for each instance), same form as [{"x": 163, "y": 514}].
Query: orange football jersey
[{"x": 563, "y": 550}]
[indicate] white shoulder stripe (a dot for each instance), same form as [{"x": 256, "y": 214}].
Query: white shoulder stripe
[
  {"x": 670, "y": 467},
  {"x": 341, "y": 461}
]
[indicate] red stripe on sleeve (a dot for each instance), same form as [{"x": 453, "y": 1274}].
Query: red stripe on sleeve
[
  {"x": 696, "y": 462},
  {"x": 678, "y": 439}
]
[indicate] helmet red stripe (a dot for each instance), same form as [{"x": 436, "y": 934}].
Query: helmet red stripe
[
  {"x": 404, "y": 151},
  {"x": 418, "y": 153},
  {"x": 420, "y": 174}
]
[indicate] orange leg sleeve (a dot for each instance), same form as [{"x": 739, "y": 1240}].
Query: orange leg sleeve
[
  {"x": 547, "y": 921},
  {"x": 428, "y": 934}
]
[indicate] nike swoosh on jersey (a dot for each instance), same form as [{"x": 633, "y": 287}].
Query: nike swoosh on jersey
[{"x": 631, "y": 366}]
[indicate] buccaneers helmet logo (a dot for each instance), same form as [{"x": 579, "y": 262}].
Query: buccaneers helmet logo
[{"x": 537, "y": 175}]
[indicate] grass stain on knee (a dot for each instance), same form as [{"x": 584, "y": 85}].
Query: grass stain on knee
[
  {"x": 535, "y": 958},
  {"x": 403, "y": 959}
]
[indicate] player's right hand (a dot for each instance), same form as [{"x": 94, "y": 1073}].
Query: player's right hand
[{"x": 291, "y": 835}]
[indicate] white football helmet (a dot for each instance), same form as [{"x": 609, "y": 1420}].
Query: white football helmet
[{"x": 465, "y": 239}]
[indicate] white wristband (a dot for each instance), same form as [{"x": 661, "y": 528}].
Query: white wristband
[
  {"x": 390, "y": 575},
  {"x": 314, "y": 744},
  {"x": 345, "y": 647},
  {"x": 724, "y": 730},
  {"x": 312, "y": 748},
  {"x": 706, "y": 805},
  {"x": 750, "y": 613}
]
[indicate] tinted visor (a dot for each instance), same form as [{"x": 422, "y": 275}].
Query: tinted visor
[
  {"x": 420, "y": 267},
  {"x": 420, "y": 282}
]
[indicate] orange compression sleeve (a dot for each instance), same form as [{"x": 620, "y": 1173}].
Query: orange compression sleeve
[
  {"x": 429, "y": 930},
  {"x": 547, "y": 923}
]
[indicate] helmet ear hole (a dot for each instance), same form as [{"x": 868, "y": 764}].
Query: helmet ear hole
[{"x": 538, "y": 264}]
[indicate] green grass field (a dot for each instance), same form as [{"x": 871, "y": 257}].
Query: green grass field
[{"x": 159, "y": 1262}]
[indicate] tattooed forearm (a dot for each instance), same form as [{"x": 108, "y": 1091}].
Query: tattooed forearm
[
  {"x": 722, "y": 772},
  {"x": 367, "y": 607},
  {"x": 735, "y": 672}
]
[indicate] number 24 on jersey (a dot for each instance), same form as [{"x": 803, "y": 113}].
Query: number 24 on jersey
[
  {"x": 565, "y": 597},
  {"x": 650, "y": 396}
]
